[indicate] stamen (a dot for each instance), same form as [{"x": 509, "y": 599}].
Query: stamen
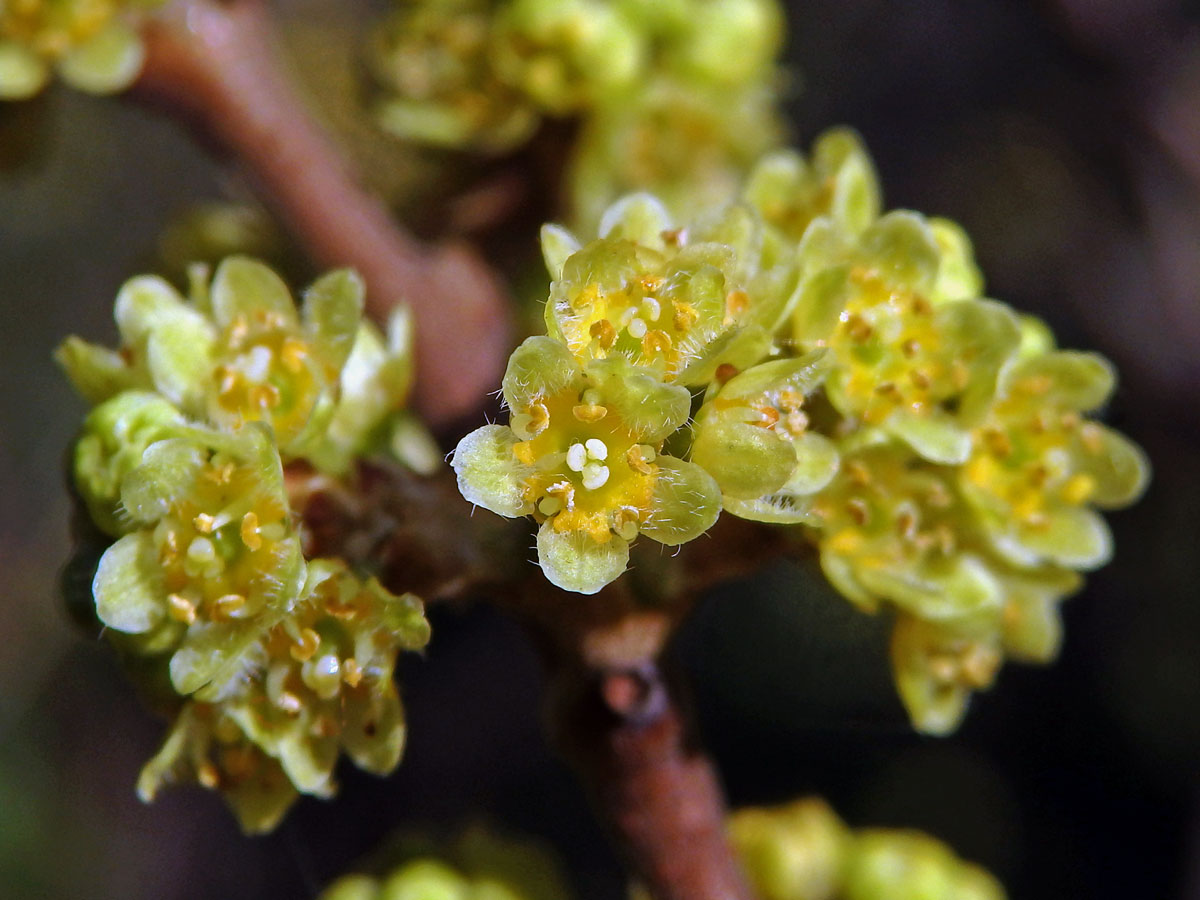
[
  {"x": 594, "y": 476},
  {"x": 576, "y": 457},
  {"x": 249, "y": 532},
  {"x": 181, "y": 609},
  {"x": 306, "y": 646}
]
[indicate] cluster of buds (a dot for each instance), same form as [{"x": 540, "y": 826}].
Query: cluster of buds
[
  {"x": 275, "y": 663},
  {"x": 675, "y": 97},
  {"x": 803, "y": 359},
  {"x": 93, "y": 45},
  {"x": 803, "y": 851},
  {"x": 478, "y": 865}
]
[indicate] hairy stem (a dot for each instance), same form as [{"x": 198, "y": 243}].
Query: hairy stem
[{"x": 215, "y": 65}]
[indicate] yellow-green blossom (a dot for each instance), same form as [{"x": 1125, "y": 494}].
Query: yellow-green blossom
[
  {"x": 887, "y": 864},
  {"x": 1037, "y": 466},
  {"x": 115, "y": 435},
  {"x": 210, "y": 561},
  {"x": 752, "y": 435},
  {"x": 896, "y": 531},
  {"x": 792, "y": 852},
  {"x": 803, "y": 851},
  {"x": 564, "y": 54},
  {"x": 206, "y": 747},
  {"x": 689, "y": 144},
  {"x": 434, "y": 61},
  {"x": 235, "y": 352},
  {"x": 678, "y": 302},
  {"x": 912, "y": 354},
  {"x": 319, "y": 682},
  {"x": 370, "y": 414},
  {"x": 478, "y": 865},
  {"x": 93, "y": 45},
  {"x": 584, "y": 456},
  {"x": 838, "y": 182}
]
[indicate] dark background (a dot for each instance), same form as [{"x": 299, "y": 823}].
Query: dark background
[{"x": 1064, "y": 135}]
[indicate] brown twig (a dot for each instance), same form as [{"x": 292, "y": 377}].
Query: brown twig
[
  {"x": 215, "y": 64},
  {"x": 658, "y": 793},
  {"x": 613, "y": 717}
]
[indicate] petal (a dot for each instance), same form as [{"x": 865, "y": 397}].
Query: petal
[
  {"x": 842, "y": 573},
  {"x": 1119, "y": 468},
  {"x": 1070, "y": 536},
  {"x": 958, "y": 277},
  {"x": 166, "y": 474},
  {"x": 489, "y": 475},
  {"x": 261, "y": 801},
  {"x": 640, "y": 218},
  {"x": 22, "y": 72},
  {"x": 558, "y": 245},
  {"x": 145, "y": 303},
  {"x": 128, "y": 587},
  {"x": 107, "y": 62},
  {"x": 986, "y": 335},
  {"x": 903, "y": 248},
  {"x": 781, "y": 508},
  {"x": 404, "y": 616},
  {"x": 539, "y": 367},
  {"x": 650, "y": 410},
  {"x": 1031, "y": 626},
  {"x": 957, "y": 589},
  {"x": 333, "y": 308},
  {"x": 179, "y": 358},
  {"x": 96, "y": 372},
  {"x": 803, "y": 374},
  {"x": 740, "y": 347},
  {"x": 747, "y": 461},
  {"x": 935, "y": 707},
  {"x": 856, "y": 194},
  {"x": 243, "y": 286},
  {"x": 1036, "y": 337},
  {"x": 817, "y": 461},
  {"x": 373, "y": 729},
  {"x": 1078, "y": 381},
  {"x": 685, "y": 504},
  {"x": 574, "y": 561},
  {"x": 821, "y": 299},
  {"x": 934, "y": 435}
]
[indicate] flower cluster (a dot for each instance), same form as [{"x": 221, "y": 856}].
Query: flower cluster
[
  {"x": 803, "y": 851},
  {"x": 675, "y": 97},
  {"x": 92, "y": 45},
  {"x": 843, "y": 374},
  {"x": 274, "y": 663}
]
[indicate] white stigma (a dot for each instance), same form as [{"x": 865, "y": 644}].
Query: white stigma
[
  {"x": 576, "y": 457},
  {"x": 258, "y": 363},
  {"x": 637, "y": 328},
  {"x": 596, "y": 449},
  {"x": 651, "y": 309},
  {"x": 594, "y": 475}
]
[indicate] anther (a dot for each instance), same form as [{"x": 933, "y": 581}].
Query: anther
[
  {"x": 604, "y": 333},
  {"x": 306, "y": 646},
  {"x": 585, "y": 412},
  {"x": 181, "y": 609},
  {"x": 249, "y": 532},
  {"x": 227, "y": 605}
]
